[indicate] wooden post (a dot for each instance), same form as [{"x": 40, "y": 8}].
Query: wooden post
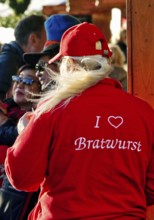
[
  {"x": 140, "y": 33},
  {"x": 140, "y": 16}
]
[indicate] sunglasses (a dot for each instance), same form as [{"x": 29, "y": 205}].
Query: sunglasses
[
  {"x": 41, "y": 66},
  {"x": 23, "y": 80}
]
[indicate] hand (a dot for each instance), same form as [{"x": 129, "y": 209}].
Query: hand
[{"x": 23, "y": 121}]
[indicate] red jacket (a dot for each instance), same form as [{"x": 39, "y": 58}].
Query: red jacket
[{"x": 94, "y": 158}]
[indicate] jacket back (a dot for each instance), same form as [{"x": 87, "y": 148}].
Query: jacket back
[{"x": 11, "y": 59}]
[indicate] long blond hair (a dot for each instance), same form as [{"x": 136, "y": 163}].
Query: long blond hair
[
  {"x": 118, "y": 57},
  {"x": 74, "y": 78}
]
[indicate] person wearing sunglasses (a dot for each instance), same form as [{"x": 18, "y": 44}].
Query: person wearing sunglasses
[
  {"x": 40, "y": 60},
  {"x": 25, "y": 88},
  {"x": 43, "y": 69},
  {"x": 25, "y": 85}
]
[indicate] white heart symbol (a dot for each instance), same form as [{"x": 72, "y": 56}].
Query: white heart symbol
[{"x": 115, "y": 121}]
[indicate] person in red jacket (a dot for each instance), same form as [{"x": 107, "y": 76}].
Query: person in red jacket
[{"x": 89, "y": 145}]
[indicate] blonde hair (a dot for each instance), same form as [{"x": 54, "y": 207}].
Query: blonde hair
[
  {"x": 118, "y": 57},
  {"x": 76, "y": 75}
]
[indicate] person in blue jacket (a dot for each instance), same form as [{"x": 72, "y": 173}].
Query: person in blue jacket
[{"x": 30, "y": 36}]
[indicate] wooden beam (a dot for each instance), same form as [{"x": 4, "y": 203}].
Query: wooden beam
[{"x": 80, "y": 7}]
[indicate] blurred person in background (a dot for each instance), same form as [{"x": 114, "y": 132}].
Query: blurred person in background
[
  {"x": 117, "y": 62},
  {"x": 30, "y": 36},
  {"x": 122, "y": 43}
]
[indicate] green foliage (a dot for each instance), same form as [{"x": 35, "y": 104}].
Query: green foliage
[
  {"x": 10, "y": 21},
  {"x": 19, "y": 6},
  {"x": 2, "y": 1}
]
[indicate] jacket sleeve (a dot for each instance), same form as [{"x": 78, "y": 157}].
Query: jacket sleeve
[
  {"x": 8, "y": 133},
  {"x": 26, "y": 161},
  {"x": 3, "y": 150}
]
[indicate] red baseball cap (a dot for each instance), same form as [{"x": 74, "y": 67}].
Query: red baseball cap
[{"x": 83, "y": 39}]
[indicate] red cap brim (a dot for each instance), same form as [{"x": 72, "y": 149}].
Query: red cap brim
[{"x": 55, "y": 58}]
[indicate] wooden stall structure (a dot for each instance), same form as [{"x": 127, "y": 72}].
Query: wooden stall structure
[
  {"x": 140, "y": 32},
  {"x": 96, "y": 11},
  {"x": 140, "y": 36}
]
